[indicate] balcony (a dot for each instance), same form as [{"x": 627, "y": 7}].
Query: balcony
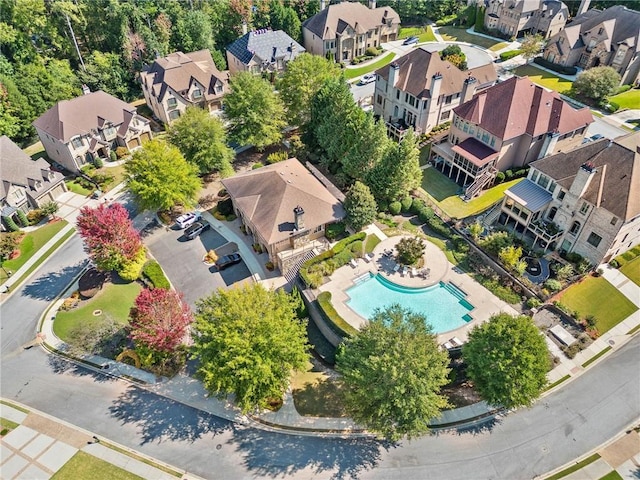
[
  {"x": 397, "y": 129},
  {"x": 548, "y": 231}
]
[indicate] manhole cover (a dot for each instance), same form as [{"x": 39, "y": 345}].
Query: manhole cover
[
  {"x": 218, "y": 447},
  {"x": 97, "y": 313},
  {"x": 545, "y": 449},
  {"x": 612, "y": 342}
]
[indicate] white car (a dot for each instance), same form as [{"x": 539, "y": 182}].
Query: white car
[
  {"x": 368, "y": 78},
  {"x": 186, "y": 219}
]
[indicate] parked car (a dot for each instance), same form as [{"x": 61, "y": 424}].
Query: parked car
[
  {"x": 196, "y": 229},
  {"x": 186, "y": 219},
  {"x": 410, "y": 41},
  {"x": 368, "y": 78},
  {"x": 597, "y": 136},
  {"x": 228, "y": 260}
]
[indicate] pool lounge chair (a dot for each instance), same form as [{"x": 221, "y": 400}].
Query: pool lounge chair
[
  {"x": 368, "y": 257},
  {"x": 456, "y": 341},
  {"x": 414, "y": 272},
  {"x": 353, "y": 263},
  {"x": 396, "y": 268},
  {"x": 405, "y": 270}
]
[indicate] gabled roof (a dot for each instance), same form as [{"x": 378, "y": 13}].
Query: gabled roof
[
  {"x": 265, "y": 46},
  {"x": 17, "y": 168},
  {"x": 179, "y": 70},
  {"x": 268, "y": 195},
  {"x": 80, "y": 115},
  {"x": 418, "y": 67},
  {"x": 518, "y": 106},
  {"x": 621, "y": 185},
  {"x": 336, "y": 17}
]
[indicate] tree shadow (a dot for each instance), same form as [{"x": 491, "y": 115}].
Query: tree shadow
[
  {"x": 161, "y": 419},
  {"x": 49, "y": 285},
  {"x": 320, "y": 398},
  {"x": 479, "y": 427},
  {"x": 61, "y": 365}
]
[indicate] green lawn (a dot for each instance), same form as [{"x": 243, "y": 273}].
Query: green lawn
[
  {"x": 499, "y": 46},
  {"x": 84, "y": 465},
  {"x": 456, "y": 34},
  {"x": 575, "y": 467},
  {"x": 595, "y": 296},
  {"x": 315, "y": 394},
  {"x": 632, "y": 270},
  {"x": 115, "y": 300},
  {"x": 612, "y": 475},
  {"x": 32, "y": 242},
  {"x": 544, "y": 78},
  {"x": 350, "y": 73},
  {"x": 628, "y": 99},
  {"x": 7, "y": 425},
  {"x": 77, "y": 188},
  {"x": 437, "y": 185},
  {"x": 370, "y": 243},
  {"x": 117, "y": 172},
  {"x": 424, "y": 34}
]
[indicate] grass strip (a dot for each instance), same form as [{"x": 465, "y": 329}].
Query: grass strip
[
  {"x": 575, "y": 468},
  {"x": 596, "y": 357},
  {"x": 9, "y": 404},
  {"x": 612, "y": 475},
  {"x": 144, "y": 460},
  {"x": 634, "y": 330},
  {"x": 557, "y": 382},
  {"x": 350, "y": 73},
  {"x": 5, "y": 423},
  {"x": 85, "y": 465}
]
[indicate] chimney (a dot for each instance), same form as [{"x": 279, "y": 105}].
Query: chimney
[
  {"x": 244, "y": 27},
  {"x": 468, "y": 89},
  {"x": 394, "y": 69},
  {"x": 584, "y": 6},
  {"x": 323, "y": 4},
  {"x": 85, "y": 89},
  {"x": 436, "y": 83},
  {"x": 298, "y": 215},
  {"x": 372, "y": 4},
  {"x": 583, "y": 179}
]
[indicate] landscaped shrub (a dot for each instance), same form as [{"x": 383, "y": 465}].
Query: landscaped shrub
[
  {"x": 153, "y": 272},
  {"x": 112, "y": 156},
  {"x": 406, "y": 204},
  {"x": 622, "y": 89},
  {"x": 276, "y": 157},
  {"x": 225, "y": 207},
  {"x": 342, "y": 244},
  {"x": 356, "y": 248},
  {"x": 614, "y": 263},
  {"x": 499, "y": 177},
  {"x": 131, "y": 270},
  {"x": 122, "y": 152},
  {"x": 448, "y": 20},
  {"x": 372, "y": 52},
  {"x": 553, "y": 285},
  {"x": 508, "y": 174},
  {"x": 334, "y": 230},
  {"x": 394, "y": 208},
  {"x": 333, "y": 319},
  {"x": 510, "y": 54},
  {"x": 257, "y": 165},
  {"x": 612, "y": 107},
  {"x": 10, "y": 224},
  {"x": 417, "y": 206},
  {"x": 555, "y": 67},
  {"x": 34, "y": 216},
  {"x": 24, "y": 221},
  {"x": 315, "y": 269},
  {"x": 98, "y": 162},
  {"x": 533, "y": 302}
]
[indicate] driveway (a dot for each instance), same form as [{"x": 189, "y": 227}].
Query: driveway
[{"x": 181, "y": 260}]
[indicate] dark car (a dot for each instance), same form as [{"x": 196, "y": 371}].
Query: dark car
[
  {"x": 196, "y": 229},
  {"x": 410, "y": 41},
  {"x": 228, "y": 260}
]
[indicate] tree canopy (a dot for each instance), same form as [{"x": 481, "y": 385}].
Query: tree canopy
[
  {"x": 160, "y": 178},
  {"x": 531, "y": 45},
  {"x": 597, "y": 83},
  {"x": 360, "y": 206},
  {"x": 454, "y": 55},
  {"x": 508, "y": 360},
  {"x": 392, "y": 373},
  {"x": 248, "y": 340}
]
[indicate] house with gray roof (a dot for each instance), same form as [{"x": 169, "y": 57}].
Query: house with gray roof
[
  {"x": 595, "y": 38},
  {"x": 345, "y": 30},
  {"x": 285, "y": 209},
  {"x": 261, "y": 51},
  {"x": 78, "y": 131},
  {"x": 180, "y": 80},
  {"x": 25, "y": 184},
  {"x": 585, "y": 200},
  {"x": 514, "y": 18}
]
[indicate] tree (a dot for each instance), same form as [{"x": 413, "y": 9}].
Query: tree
[
  {"x": 254, "y": 111},
  {"x": 159, "y": 320},
  {"x": 531, "y": 46},
  {"x": 597, "y": 83},
  {"x": 160, "y": 177},
  {"x": 392, "y": 373},
  {"x": 360, "y": 206},
  {"x": 202, "y": 140},
  {"x": 248, "y": 340},
  {"x": 193, "y": 32},
  {"x": 475, "y": 229},
  {"x": 104, "y": 72},
  {"x": 109, "y": 236},
  {"x": 453, "y": 54},
  {"x": 8, "y": 243},
  {"x": 50, "y": 208},
  {"x": 284, "y": 18},
  {"x": 410, "y": 250},
  {"x": 301, "y": 80},
  {"x": 510, "y": 256},
  {"x": 507, "y": 360}
]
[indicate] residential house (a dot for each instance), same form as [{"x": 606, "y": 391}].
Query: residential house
[
  {"x": 345, "y": 30},
  {"x": 262, "y": 51},
  {"x": 285, "y": 209},
  {"x": 507, "y": 126},
  {"x": 595, "y": 38},
  {"x": 78, "y": 131},
  {"x": 25, "y": 184},
  {"x": 585, "y": 200},
  {"x": 516, "y": 17},
  {"x": 181, "y": 80},
  {"x": 420, "y": 90}
]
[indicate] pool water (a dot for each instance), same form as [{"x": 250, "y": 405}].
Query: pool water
[{"x": 443, "y": 304}]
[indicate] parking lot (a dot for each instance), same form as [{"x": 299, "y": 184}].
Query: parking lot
[{"x": 181, "y": 260}]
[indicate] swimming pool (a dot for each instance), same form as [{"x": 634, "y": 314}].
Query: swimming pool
[{"x": 443, "y": 304}]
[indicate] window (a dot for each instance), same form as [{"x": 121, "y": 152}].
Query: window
[
  {"x": 485, "y": 137},
  {"x": 584, "y": 208},
  {"x": 561, "y": 194},
  {"x": 397, "y": 94},
  {"x": 534, "y": 176},
  {"x": 77, "y": 142},
  {"x": 109, "y": 132},
  {"x": 445, "y": 115},
  {"x": 447, "y": 100},
  {"x": 172, "y": 102},
  {"x": 543, "y": 181},
  {"x": 575, "y": 228},
  {"x": 552, "y": 213},
  {"x": 614, "y": 220},
  {"x": 465, "y": 127},
  {"x": 493, "y": 141},
  {"x": 471, "y": 129},
  {"x": 174, "y": 114},
  {"x": 379, "y": 99},
  {"x": 197, "y": 93},
  {"x": 594, "y": 239}
]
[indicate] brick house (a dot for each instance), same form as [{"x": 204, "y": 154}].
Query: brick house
[
  {"x": 181, "y": 80},
  {"x": 78, "y": 131},
  {"x": 507, "y": 126},
  {"x": 585, "y": 200},
  {"x": 420, "y": 90},
  {"x": 262, "y": 51},
  {"x": 517, "y": 17}
]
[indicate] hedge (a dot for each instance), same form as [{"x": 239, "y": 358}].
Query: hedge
[
  {"x": 510, "y": 54},
  {"x": 334, "y": 321},
  {"x": 334, "y": 252},
  {"x": 153, "y": 272},
  {"x": 555, "y": 67}
]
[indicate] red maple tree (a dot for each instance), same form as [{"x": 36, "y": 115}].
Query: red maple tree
[
  {"x": 109, "y": 236},
  {"x": 159, "y": 319}
]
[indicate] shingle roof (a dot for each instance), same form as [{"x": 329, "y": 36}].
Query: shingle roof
[
  {"x": 266, "y": 45},
  {"x": 621, "y": 187},
  {"x": 418, "y": 66},
  {"x": 17, "y": 168},
  {"x": 80, "y": 115},
  {"x": 335, "y": 18},
  {"x": 268, "y": 195},
  {"x": 518, "y": 106},
  {"x": 178, "y": 71}
]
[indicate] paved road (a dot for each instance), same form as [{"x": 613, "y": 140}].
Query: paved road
[
  {"x": 604, "y": 128},
  {"x": 363, "y": 92}
]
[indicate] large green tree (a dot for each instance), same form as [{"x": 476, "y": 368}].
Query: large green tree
[
  {"x": 301, "y": 80},
  {"x": 248, "y": 340},
  {"x": 202, "y": 140},
  {"x": 531, "y": 45},
  {"x": 597, "y": 83},
  {"x": 508, "y": 360},
  {"x": 255, "y": 112},
  {"x": 392, "y": 373},
  {"x": 160, "y": 178},
  {"x": 360, "y": 206},
  {"x": 104, "y": 72}
]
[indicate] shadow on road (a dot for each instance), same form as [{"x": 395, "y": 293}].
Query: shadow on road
[
  {"x": 61, "y": 365},
  {"x": 48, "y": 286}
]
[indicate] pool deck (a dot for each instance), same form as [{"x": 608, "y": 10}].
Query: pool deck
[{"x": 486, "y": 304}]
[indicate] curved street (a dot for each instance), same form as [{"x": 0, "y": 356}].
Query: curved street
[{"x": 561, "y": 427}]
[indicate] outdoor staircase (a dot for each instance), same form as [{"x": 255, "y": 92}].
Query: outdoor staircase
[
  {"x": 291, "y": 274},
  {"x": 492, "y": 215},
  {"x": 479, "y": 183}
]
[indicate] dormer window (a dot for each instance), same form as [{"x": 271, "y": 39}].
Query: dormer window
[
  {"x": 77, "y": 142},
  {"x": 172, "y": 102},
  {"x": 600, "y": 31},
  {"x": 197, "y": 93},
  {"x": 110, "y": 131}
]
